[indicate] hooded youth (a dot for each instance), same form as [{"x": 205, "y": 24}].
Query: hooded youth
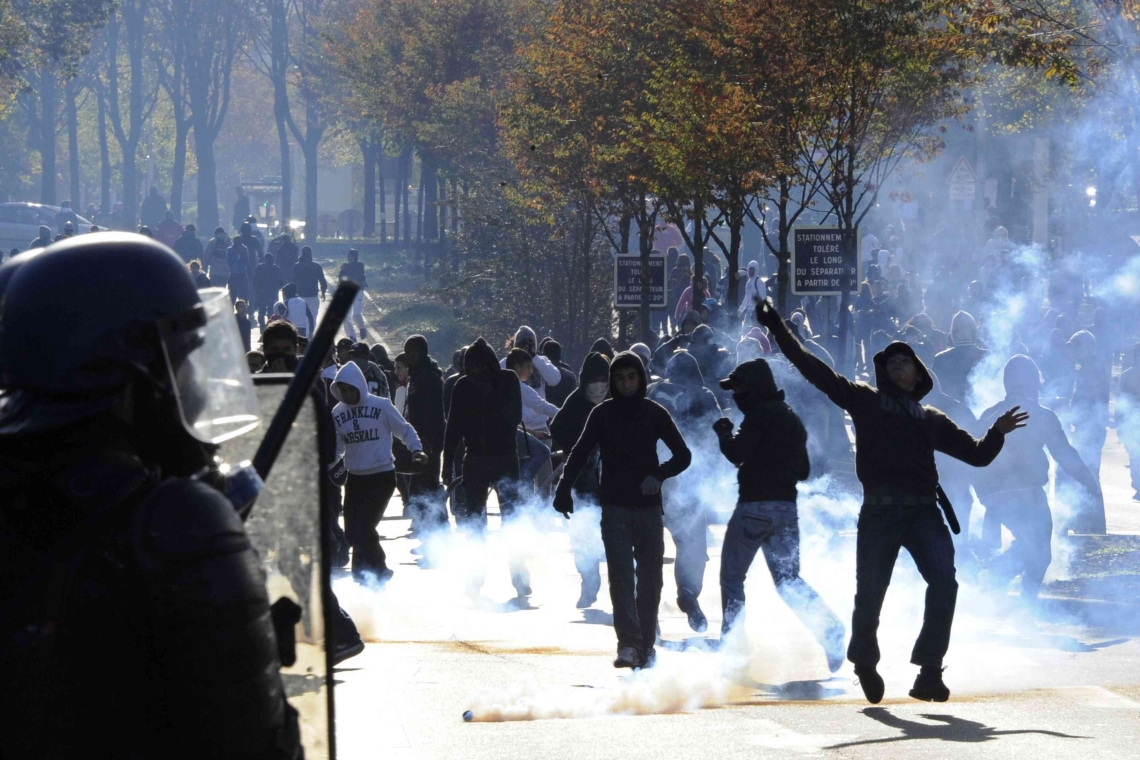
[
  {"x": 364, "y": 431},
  {"x": 895, "y": 435},
  {"x": 627, "y": 430},
  {"x": 770, "y": 449}
]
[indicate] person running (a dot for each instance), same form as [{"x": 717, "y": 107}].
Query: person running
[
  {"x": 565, "y": 430},
  {"x": 485, "y": 411},
  {"x": 626, "y": 428},
  {"x": 895, "y": 440},
  {"x": 1013, "y": 490},
  {"x": 311, "y": 284},
  {"x": 770, "y": 452},
  {"x": 352, "y": 270},
  {"x": 693, "y": 407},
  {"x": 365, "y": 425}
]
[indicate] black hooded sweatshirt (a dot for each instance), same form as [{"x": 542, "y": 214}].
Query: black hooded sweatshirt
[
  {"x": 895, "y": 436},
  {"x": 485, "y": 411},
  {"x": 769, "y": 450},
  {"x": 567, "y": 426},
  {"x": 424, "y": 410},
  {"x": 627, "y": 431}
]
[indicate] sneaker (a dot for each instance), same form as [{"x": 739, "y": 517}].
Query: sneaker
[
  {"x": 344, "y": 650},
  {"x": 649, "y": 660},
  {"x": 627, "y": 658},
  {"x": 872, "y": 683},
  {"x": 929, "y": 687},
  {"x": 697, "y": 620}
]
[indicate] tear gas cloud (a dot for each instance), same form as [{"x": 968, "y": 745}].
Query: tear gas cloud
[{"x": 770, "y": 646}]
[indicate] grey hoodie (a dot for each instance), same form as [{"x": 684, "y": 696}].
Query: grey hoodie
[{"x": 364, "y": 431}]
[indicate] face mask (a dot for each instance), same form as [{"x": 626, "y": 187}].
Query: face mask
[
  {"x": 596, "y": 392},
  {"x": 741, "y": 399}
]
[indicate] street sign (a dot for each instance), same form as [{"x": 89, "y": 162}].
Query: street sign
[
  {"x": 821, "y": 264},
  {"x": 627, "y": 281},
  {"x": 962, "y": 180}
]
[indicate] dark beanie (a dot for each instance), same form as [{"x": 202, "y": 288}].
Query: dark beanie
[{"x": 551, "y": 349}]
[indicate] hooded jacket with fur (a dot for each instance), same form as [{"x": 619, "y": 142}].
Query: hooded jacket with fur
[
  {"x": 627, "y": 430},
  {"x": 364, "y": 431},
  {"x": 895, "y": 435}
]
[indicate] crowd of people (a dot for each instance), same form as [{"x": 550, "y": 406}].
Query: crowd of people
[{"x": 529, "y": 427}]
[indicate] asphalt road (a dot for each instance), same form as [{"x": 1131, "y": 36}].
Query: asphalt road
[{"x": 537, "y": 673}]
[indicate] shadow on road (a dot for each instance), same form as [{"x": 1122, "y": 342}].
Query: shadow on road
[
  {"x": 948, "y": 728},
  {"x": 595, "y": 617}
]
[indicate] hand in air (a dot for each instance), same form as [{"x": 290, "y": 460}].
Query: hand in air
[
  {"x": 723, "y": 426},
  {"x": 1011, "y": 420},
  {"x": 767, "y": 315},
  {"x": 650, "y": 486}
]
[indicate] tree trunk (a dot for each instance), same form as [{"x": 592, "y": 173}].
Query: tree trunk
[
  {"x": 73, "y": 149},
  {"x": 178, "y": 171},
  {"x": 286, "y": 211},
  {"x": 310, "y": 151},
  {"x": 104, "y": 161},
  {"x": 397, "y": 196},
  {"x": 383, "y": 199},
  {"x": 407, "y": 196},
  {"x": 49, "y": 110},
  {"x": 433, "y": 214},
  {"x": 130, "y": 186},
  {"x": 207, "y": 175},
  {"x": 422, "y": 198},
  {"x": 368, "y": 153}
]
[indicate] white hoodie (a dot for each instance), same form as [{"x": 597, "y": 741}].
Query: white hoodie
[
  {"x": 544, "y": 370},
  {"x": 364, "y": 431},
  {"x": 537, "y": 411}
]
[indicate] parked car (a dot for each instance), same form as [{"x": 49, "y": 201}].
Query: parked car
[{"x": 20, "y": 224}]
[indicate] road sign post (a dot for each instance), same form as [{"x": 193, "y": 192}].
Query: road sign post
[
  {"x": 825, "y": 260},
  {"x": 627, "y": 281}
]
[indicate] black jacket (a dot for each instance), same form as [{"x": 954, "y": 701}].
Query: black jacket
[
  {"x": 309, "y": 278},
  {"x": 160, "y": 580},
  {"x": 557, "y": 394},
  {"x": 484, "y": 415},
  {"x": 627, "y": 430},
  {"x": 953, "y": 367},
  {"x": 895, "y": 436},
  {"x": 769, "y": 450},
  {"x": 424, "y": 409}
]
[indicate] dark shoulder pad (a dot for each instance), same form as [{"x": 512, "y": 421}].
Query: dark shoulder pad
[{"x": 183, "y": 516}]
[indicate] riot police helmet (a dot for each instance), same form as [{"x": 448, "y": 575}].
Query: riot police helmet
[{"x": 86, "y": 318}]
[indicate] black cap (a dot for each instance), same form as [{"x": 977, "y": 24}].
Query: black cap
[
  {"x": 755, "y": 375},
  {"x": 360, "y": 348},
  {"x": 345, "y": 343}
]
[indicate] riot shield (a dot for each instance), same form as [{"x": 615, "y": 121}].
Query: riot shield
[{"x": 289, "y": 527}]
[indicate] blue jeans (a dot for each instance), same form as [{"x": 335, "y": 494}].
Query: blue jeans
[
  {"x": 533, "y": 454},
  {"x": 773, "y": 527},
  {"x": 883, "y": 530}
]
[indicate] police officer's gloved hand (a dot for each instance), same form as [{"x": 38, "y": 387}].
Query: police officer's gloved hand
[
  {"x": 723, "y": 426},
  {"x": 564, "y": 503},
  {"x": 419, "y": 459}
]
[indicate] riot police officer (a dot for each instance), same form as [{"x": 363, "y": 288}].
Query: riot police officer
[{"x": 135, "y": 621}]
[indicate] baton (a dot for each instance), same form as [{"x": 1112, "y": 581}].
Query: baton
[
  {"x": 307, "y": 372},
  {"x": 948, "y": 509}
]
